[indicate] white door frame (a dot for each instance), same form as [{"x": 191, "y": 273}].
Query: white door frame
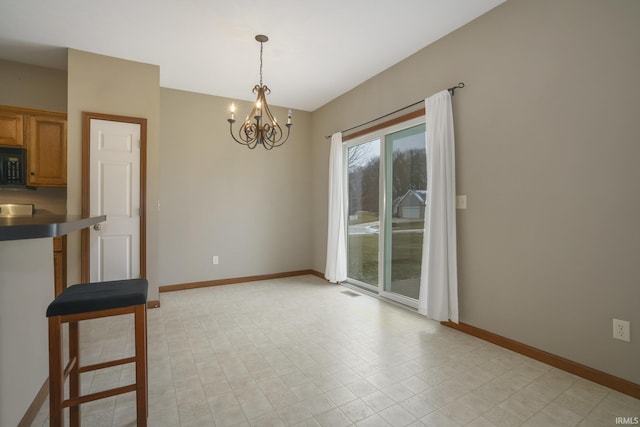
[{"x": 85, "y": 255}]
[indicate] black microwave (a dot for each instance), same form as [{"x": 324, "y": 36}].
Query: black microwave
[{"x": 12, "y": 167}]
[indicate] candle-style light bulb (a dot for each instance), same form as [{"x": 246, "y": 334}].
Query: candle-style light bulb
[
  {"x": 289, "y": 117},
  {"x": 233, "y": 111}
]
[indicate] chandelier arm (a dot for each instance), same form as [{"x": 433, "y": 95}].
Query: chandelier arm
[
  {"x": 250, "y": 133},
  {"x": 288, "y": 132},
  {"x": 249, "y": 142},
  {"x": 280, "y": 141},
  {"x": 274, "y": 132},
  {"x": 231, "y": 122}
]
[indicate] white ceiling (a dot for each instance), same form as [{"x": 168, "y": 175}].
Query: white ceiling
[{"x": 317, "y": 50}]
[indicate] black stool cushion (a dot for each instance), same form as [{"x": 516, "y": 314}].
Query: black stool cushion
[{"x": 96, "y": 296}]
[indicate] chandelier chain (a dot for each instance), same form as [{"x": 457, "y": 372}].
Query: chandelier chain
[{"x": 261, "y": 63}]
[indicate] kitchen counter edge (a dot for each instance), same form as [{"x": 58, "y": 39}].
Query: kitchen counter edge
[{"x": 40, "y": 226}]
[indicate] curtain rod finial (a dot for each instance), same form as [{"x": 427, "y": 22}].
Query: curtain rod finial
[{"x": 452, "y": 90}]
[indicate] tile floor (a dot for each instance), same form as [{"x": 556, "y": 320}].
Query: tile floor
[{"x": 297, "y": 351}]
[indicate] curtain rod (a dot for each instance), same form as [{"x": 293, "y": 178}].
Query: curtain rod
[{"x": 451, "y": 90}]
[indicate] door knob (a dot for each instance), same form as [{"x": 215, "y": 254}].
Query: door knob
[{"x": 97, "y": 227}]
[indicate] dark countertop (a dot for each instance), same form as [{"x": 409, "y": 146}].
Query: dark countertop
[{"x": 44, "y": 225}]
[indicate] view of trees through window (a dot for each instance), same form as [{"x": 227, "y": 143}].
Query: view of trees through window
[
  {"x": 364, "y": 216},
  {"x": 404, "y": 184}
]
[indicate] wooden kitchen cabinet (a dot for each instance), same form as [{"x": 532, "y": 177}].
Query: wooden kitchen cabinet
[
  {"x": 59, "y": 264},
  {"x": 11, "y": 128},
  {"x": 46, "y": 151},
  {"x": 44, "y": 136}
]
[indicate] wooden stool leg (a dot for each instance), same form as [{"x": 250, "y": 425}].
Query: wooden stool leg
[
  {"x": 141, "y": 364},
  {"x": 146, "y": 357},
  {"x": 74, "y": 374},
  {"x": 56, "y": 375}
]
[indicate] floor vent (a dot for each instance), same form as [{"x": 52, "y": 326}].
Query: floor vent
[{"x": 351, "y": 293}]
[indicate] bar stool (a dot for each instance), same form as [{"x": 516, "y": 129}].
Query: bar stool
[{"x": 92, "y": 301}]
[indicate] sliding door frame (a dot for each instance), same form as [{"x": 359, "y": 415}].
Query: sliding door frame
[{"x": 379, "y": 132}]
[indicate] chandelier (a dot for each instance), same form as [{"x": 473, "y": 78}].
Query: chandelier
[{"x": 260, "y": 127}]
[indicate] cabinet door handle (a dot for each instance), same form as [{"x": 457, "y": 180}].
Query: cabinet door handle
[{"x": 97, "y": 227}]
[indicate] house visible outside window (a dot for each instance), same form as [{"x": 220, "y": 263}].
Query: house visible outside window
[{"x": 386, "y": 192}]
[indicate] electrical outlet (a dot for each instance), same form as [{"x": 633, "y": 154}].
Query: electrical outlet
[
  {"x": 215, "y": 260},
  {"x": 622, "y": 330}
]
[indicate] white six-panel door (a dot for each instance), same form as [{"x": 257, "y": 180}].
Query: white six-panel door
[{"x": 115, "y": 192}]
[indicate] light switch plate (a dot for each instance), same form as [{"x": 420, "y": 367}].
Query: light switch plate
[{"x": 461, "y": 202}]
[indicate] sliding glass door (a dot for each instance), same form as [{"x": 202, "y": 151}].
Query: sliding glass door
[
  {"x": 387, "y": 183},
  {"x": 406, "y": 193}
]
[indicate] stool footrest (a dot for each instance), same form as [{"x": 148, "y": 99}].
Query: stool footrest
[
  {"x": 108, "y": 364},
  {"x": 99, "y": 395},
  {"x": 69, "y": 367}
]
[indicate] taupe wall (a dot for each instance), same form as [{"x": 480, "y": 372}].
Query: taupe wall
[
  {"x": 547, "y": 151},
  {"x": 34, "y": 87},
  {"x": 251, "y": 208},
  {"x": 26, "y": 289},
  {"x": 102, "y": 84}
]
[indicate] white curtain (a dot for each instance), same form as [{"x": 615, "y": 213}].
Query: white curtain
[
  {"x": 439, "y": 279},
  {"x": 336, "y": 268}
]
